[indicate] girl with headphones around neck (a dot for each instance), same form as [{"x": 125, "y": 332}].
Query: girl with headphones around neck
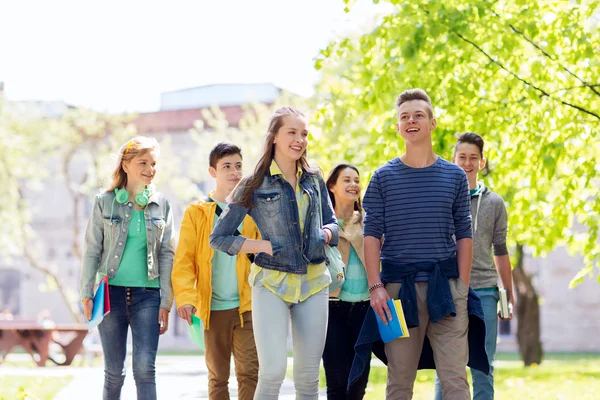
[{"x": 129, "y": 238}]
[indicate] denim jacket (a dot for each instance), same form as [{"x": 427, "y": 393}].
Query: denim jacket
[
  {"x": 105, "y": 239},
  {"x": 275, "y": 211}
]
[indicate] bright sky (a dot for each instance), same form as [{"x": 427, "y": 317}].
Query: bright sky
[{"x": 120, "y": 55}]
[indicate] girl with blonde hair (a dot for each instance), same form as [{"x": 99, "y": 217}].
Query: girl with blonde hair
[{"x": 129, "y": 238}]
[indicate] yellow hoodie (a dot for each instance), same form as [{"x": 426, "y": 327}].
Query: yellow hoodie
[{"x": 192, "y": 268}]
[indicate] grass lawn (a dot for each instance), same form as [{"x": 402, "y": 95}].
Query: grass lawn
[
  {"x": 560, "y": 376},
  {"x": 31, "y": 387}
]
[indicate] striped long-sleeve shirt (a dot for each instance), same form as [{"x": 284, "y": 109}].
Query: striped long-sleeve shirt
[{"x": 421, "y": 211}]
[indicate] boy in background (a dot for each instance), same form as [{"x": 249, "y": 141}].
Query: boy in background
[
  {"x": 214, "y": 286},
  {"x": 489, "y": 218}
]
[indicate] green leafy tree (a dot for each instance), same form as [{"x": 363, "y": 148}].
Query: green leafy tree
[{"x": 523, "y": 74}]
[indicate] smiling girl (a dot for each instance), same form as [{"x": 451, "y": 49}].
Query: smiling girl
[
  {"x": 348, "y": 305},
  {"x": 289, "y": 277},
  {"x": 129, "y": 239}
]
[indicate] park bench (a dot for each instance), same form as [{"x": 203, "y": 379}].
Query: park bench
[{"x": 36, "y": 338}]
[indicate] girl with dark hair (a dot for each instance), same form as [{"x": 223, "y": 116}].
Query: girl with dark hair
[{"x": 349, "y": 304}]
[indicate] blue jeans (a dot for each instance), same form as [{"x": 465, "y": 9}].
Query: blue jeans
[
  {"x": 483, "y": 385},
  {"x": 138, "y": 308},
  {"x": 345, "y": 321}
]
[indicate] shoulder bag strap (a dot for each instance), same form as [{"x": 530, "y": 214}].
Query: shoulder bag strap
[{"x": 218, "y": 211}]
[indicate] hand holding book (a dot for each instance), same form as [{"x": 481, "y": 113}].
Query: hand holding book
[
  {"x": 505, "y": 308},
  {"x": 395, "y": 328},
  {"x": 101, "y": 304}
]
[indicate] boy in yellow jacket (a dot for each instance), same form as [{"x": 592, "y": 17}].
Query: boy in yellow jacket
[{"x": 214, "y": 286}]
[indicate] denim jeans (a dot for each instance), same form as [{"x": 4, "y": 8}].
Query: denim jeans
[
  {"x": 138, "y": 308},
  {"x": 483, "y": 385},
  {"x": 345, "y": 321},
  {"x": 271, "y": 317}
]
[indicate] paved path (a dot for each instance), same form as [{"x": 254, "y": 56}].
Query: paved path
[{"x": 177, "y": 377}]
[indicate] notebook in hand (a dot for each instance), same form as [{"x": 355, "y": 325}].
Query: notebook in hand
[
  {"x": 396, "y": 328},
  {"x": 503, "y": 304},
  {"x": 101, "y": 304},
  {"x": 197, "y": 332}
]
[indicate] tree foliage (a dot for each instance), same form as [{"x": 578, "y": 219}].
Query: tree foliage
[{"x": 523, "y": 74}]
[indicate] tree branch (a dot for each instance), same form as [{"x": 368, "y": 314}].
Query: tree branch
[
  {"x": 76, "y": 196},
  {"x": 542, "y": 92},
  {"x": 29, "y": 254},
  {"x": 37, "y": 265},
  {"x": 574, "y": 87},
  {"x": 546, "y": 54}
]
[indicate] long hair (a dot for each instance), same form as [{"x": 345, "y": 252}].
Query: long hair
[
  {"x": 244, "y": 192},
  {"x": 138, "y": 146},
  {"x": 332, "y": 180}
]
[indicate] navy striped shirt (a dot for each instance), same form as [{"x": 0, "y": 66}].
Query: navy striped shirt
[{"x": 421, "y": 211}]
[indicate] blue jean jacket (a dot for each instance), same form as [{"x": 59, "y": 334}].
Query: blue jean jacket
[
  {"x": 106, "y": 236},
  {"x": 275, "y": 212},
  {"x": 439, "y": 304}
]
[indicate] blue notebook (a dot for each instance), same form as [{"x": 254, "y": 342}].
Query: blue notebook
[{"x": 396, "y": 328}]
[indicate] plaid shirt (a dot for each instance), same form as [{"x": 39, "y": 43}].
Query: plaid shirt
[{"x": 290, "y": 287}]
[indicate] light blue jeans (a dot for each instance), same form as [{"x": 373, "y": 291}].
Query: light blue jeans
[
  {"x": 483, "y": 385},
  {"x": 271, "y": 316}
]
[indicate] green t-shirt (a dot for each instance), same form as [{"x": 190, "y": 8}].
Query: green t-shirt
[
  {"x": 474, "y": 192},
  {"x": 225, "y": 294},
  {"x": 356, "y": 285},
  {"x": 133, "y": 268}
]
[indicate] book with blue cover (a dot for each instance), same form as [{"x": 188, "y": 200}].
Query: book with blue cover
[
  {"x": 101, "y": 304},
  {"x": 396, "y": 328}
]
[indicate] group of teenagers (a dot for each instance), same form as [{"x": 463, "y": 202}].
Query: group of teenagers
[{"x": 250, "y": 257}]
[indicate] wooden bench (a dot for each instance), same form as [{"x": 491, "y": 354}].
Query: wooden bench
[{"x": 36, "y": 338}]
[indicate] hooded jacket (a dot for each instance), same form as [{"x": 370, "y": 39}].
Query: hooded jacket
[{"x": 490, "y": 221}]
